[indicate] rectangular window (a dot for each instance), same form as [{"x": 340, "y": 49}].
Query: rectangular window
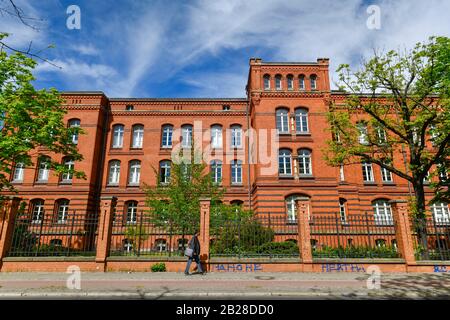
[
  {"x": 341, "y": 173},
  {"x": 236, "y": 172},
  {"x": 236, "y": 137},
  {"x": 167, "y": 137},
  {"x": 386, "y": 175},
  {"x": 367, "y": 172},
  {"x": 18, "y": 172}
]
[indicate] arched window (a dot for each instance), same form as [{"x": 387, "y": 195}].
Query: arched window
[
  {"x": 313, "y": 81},
  {"x": 304, "y": 162},
  {"x": 186, "y": 136},
  {"x": 236, "y": 136},
  {"x": 138, "y": 136},
  {"x": 278, "y": 85},
  {"x": 18, "y": 172},
  {"x": 62, "y": 207},
  {"x": 441, "y": 213},
  {"x": 301, "y": 82},
  {"x": 134, "y": 172},
  {"x": 362, "y": 128},
  {"x": 161, "y": 245},
  {"x": 167, "y": 131},
  {"x": 282, "y": 120},
  {"x": 313, "y": 244},
  {"x": 43, "y": 169},
  {"x": 127, "y": 245},
  {"x": 284, "y": 162},
  {"x": 216, "y": 171},
  {"x": 56, "y": 242},
  {"x": 131, "y": 207},
  {"x": 236, "y": 172},
  {"x": 118, "y": 131},
  {"x": 164, "y": 171},
  {"x": 380, "y": 242},
  {"x": 266, "y": 82},
  {"x": 343, "y": 210},
  {"x": 37, "y": 210},
  {"x": 74, "y": 123},
  {"x": 114, "y": 172},
  {"x": 216, "y": 136},
  {"x": 291, "y": 208},
  {"x": 69, "y": 166},
  {"x": 290, "y": 82},
  {"x": 382, "y": 212},
  {"x": 301, "y": 120},
  {"x": 237, "y": 203}
]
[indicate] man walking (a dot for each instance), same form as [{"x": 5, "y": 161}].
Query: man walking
[{"x": 193, "y": 253}]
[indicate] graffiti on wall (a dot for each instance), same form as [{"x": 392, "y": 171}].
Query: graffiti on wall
[
  {"x": 441, "y": 269},
  {"x": 342, "y": 267},
  {"x": 246, "y": 267}
]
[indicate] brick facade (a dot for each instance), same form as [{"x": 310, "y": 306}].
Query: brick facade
[{"x": 261, "y": 191}]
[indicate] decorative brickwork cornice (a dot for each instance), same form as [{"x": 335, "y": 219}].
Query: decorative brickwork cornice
[
  {"x": 193, "y": 113},
  {"x": 293, "y": 94}
]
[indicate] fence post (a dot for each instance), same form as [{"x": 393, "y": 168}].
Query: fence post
[
  {"x": 205, "y": 204},
  {"x": 403, "y": 231},
  {"x": 304, "y": 233},
  {"x": 8, "y": 212},
  {"x": 107, "y": 205}
]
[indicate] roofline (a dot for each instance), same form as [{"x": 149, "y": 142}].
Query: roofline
[
  {"x": 85, "y": 93},
  {"x": 179, "y": 99},
  {"x": 289, "y": 63}
]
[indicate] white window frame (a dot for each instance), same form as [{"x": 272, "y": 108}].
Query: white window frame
[
  {"x": 167, "y": 133},
  {"x": 37, "y": 211},
  {"x": 134, "y": 175},
  {"x": 236, "y": 172},
  {"x": 342, "y": 210},
  {"x": 278, "y": 82},
  {"x": 216, "y": 137},
  {"x": 236, "y": 136},
  {"x": 341, "y": 172},
  {"x": 164, "y": 167},
  {"x": 290, "y": 82},
  {"x": 291, "y": 209},
  {"x": 367, "y": 172},
  {"x": 67, "y": 177},
  {"x": 266, "y": 82},
  {"x": 386, "y": 175},
  {"x": 186, "y": 134},
  {"x": 63, "y": 210},
  {"x": 363, "y": 137},
  {"x": 138, "y": 136},
  {"x": 75, "y": 123},
  {"x": 441, "y": 213},
  {"x": 132, "y": 207},
  {"x": 304, "y": 162},
  {"x": 301, "y": 82},
  {"x": 313, "y": 81},
  {"x": 114, "y": 172},
  {"x": 285, "y": 162},
  {"x": 382, "y": 212},
  {"x": 44, "y": 170},
  {"x": 301, "y": 120},
  {"x": 118, "y": 133},
  {"x": 19, "y": 171},
  {"x": 282, "y": 121},
  {"x": 216, "y": 171}
]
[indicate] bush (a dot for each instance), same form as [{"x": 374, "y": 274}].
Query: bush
[
  {"x": 356, "y": 252},
  {"x": 159, "y": 267},
  {"x": 282, "y": 248}
]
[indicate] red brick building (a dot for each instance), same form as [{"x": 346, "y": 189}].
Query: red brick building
[{"x": 125, "y": 138}]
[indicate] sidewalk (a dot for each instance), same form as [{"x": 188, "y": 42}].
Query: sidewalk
[{"x": 223, "y": 286}]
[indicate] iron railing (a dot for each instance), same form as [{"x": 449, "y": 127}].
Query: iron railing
[
  {"x": 74, "y": 234},
  {"x": 138, "y": 234},
  {"x": 431, "y": 238},
  {"x": 265, "y": 235},
  {"x": 355, "y": 236}
]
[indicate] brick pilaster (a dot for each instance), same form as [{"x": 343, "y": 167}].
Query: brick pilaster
[
  {"x": 8, "y": 211},
  {"x": 403, "y": 231},
  {"x": 107, "y": 205},
  {"x": 205, "y": 204},
  {"x": 304, "y": 233}
]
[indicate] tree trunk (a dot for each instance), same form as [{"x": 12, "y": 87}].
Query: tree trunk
[{"x": 420, "y": 223}]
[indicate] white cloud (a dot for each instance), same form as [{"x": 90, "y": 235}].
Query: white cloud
[
  {"x": 73, "y": 68},
  {"x": 86, "y": 49}
]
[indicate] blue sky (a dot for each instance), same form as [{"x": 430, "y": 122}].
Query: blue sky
[{"x": 201, "y": 48}]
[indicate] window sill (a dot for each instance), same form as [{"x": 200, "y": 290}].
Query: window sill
[
  {"x": 236, "y": 184},
  {"x": 280, "y": 176},
  {"x": 133, "y": 185},
  {"x": 17, "y": 182},
  {"x": 66, "y": 182},
  {"x": 305, "y": 176},
  {"x": 41, "y": 182},
  {"x": 369, "y": 183},
  {"x": 388, "y": 183},
  {"x": 303, "y": 133},
  {"x": 136, "y": 149},
  {"x": 165, "y": 148},
  {"x": 112, "y": 185},
  {"x": 116, "y": 148}
]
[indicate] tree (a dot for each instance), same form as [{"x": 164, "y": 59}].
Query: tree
[
  {"x": 176, "y": 205},
  {"x": 404, "y": 99},
  {"x": 30, "y": 119}
]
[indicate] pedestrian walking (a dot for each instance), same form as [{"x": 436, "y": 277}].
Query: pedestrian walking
[{"x": 193, "y": 253}]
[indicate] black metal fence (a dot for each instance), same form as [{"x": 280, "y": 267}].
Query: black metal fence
[
  {"x": 71, "y": 234},
  {"x": 355, "y": 236},
  {"x": 137, "y": 234},
  {"x": 436, "y": 231},
  {"x": 264, "y": 235}
]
